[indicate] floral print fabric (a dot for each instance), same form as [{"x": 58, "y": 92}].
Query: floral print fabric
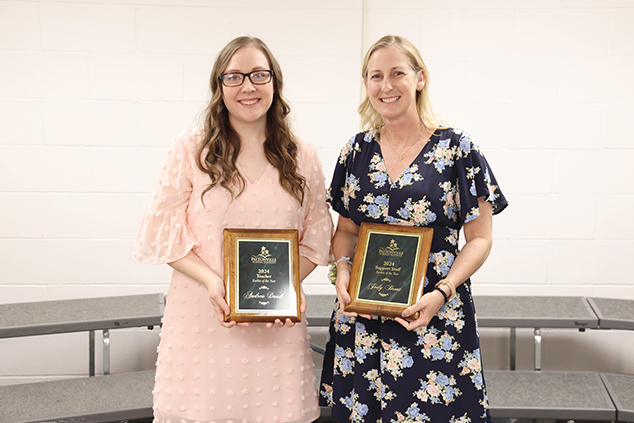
[{"x": 374, "y": 369}]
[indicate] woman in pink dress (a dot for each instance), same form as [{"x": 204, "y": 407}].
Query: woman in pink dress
[{"x": 243, "y": 168}]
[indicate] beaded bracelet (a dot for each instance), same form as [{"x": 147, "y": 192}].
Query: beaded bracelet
[
  {"x": 439, "y": 289},
  {"x": 344, "y": 258}
]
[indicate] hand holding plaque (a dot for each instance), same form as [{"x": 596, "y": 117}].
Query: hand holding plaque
[
  {"x": 262, "y": 275},
  {"x": 389, "y": 264}
]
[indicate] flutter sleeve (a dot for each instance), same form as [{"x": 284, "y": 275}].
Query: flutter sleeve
[
  {"x": 317, "y": 228},
  {"x": 344, "y": 185},
  {"x": 164, "y": 235},
  {"x": 475, "y": 179}
]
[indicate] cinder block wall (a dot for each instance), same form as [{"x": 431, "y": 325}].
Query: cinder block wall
[{"x": 93, "y": 92}]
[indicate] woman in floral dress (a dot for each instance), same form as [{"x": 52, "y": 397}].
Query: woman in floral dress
[{"x": 409, "y": 169}]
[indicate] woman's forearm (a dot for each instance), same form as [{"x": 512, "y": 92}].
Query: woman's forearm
[
  {"x": 343, "y": 245},
  {"x": 192, "y": 266},
  {"x": 344, "y": 241},
  {"x": 471, "y": 257},
  {"x": 478, "y": 234},
  {"x": 306, "y": 267}
]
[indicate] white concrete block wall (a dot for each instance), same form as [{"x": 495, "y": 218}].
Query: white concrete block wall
[{"x": 93, "y": 92}]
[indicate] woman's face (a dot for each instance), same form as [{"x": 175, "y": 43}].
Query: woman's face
[
  {"x": 247, "y": 103},
  {"x": 391, "y": 83}
]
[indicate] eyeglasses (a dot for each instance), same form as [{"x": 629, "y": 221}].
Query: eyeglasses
[{"x": 235, "y": 79}]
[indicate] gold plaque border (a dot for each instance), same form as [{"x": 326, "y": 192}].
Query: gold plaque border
[
  {"x": 231, "y": 237},
  {"x": 386, "y": 308}
]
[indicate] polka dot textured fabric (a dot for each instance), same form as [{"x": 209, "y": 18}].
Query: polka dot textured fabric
[{"x": 207, "y": 373}]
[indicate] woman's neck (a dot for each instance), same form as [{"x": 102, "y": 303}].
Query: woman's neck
[
  {"x": 252, "y": 158},
  {"x": 252, "y": 135},
  {"x": 404, "y": 130}
]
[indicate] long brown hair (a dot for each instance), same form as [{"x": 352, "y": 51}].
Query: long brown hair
[
  {"x": 370, "y": 118},
  {"x": 219, "y": 149}
]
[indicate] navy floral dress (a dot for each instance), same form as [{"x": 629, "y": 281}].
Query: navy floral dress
[{"x": 374, "y": 369}]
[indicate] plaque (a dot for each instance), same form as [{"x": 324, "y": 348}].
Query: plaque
[
  {"x": 262, "y": 275},
  {"x": 389, "y": 264}
]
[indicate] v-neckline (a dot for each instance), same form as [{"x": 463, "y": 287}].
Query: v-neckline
[
  {"x": 258, "y": 179},
  {"x": 414, "y": 160}
]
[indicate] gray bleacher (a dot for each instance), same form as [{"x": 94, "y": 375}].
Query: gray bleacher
[
  {"x": 118, "y": 397},
  {"x": 82, "y": 315},
  {"x": 621, "y": 390},
  {"x": 512, "y": 394}
]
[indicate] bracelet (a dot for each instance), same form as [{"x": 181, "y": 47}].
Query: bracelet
[
  {"x": 452, "y": 289},
  {"x": 439, "y": 289},
  {"x": 344, "y": 258}
]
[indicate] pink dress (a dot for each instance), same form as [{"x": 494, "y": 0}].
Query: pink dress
[{"x": 205, "y": 372}]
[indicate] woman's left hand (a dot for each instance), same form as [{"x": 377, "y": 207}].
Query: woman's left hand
[{"x": 427, "y": 306}]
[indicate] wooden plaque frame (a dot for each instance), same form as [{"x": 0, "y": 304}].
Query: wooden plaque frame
[
  {"x": 262, "y": 285},
  {"x": 392, "y": 284}
]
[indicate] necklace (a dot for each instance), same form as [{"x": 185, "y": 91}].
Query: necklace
[{"x": 401, "y": 155}]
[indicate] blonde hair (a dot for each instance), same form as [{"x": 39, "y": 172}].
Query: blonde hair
[
  {"x": 219, "y": 149},
  {"x": 370, "y": 118}
]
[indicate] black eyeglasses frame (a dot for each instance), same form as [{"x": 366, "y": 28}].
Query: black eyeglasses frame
[{"x": 248, "y": 75}]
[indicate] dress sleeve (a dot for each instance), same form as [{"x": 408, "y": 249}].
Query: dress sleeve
[
  {"x": 344, "y": 184},
  {"x": 317, "y": 228},
  {"x": 476, "y": 179},
  {"x": 164, "y": 235}
]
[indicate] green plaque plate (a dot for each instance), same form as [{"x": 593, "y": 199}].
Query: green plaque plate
[
  {"x": 262, "y": 275},
  {"x": 389, "y": 264}
]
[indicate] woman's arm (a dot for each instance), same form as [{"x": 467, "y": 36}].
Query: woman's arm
[
  {"x": 479, "y": 239},
  {"x": 191, "y": 265},
  {"x": 344, "y": 243},
  {"x": 306, "y": 267}
]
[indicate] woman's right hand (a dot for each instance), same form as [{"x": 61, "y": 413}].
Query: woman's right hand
[
  {"x": 191, "y": 265},
  {"x": 216, "y": 289},
  {"x": 341, "y": 285},
  {"x": 343, "y": 246}
]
